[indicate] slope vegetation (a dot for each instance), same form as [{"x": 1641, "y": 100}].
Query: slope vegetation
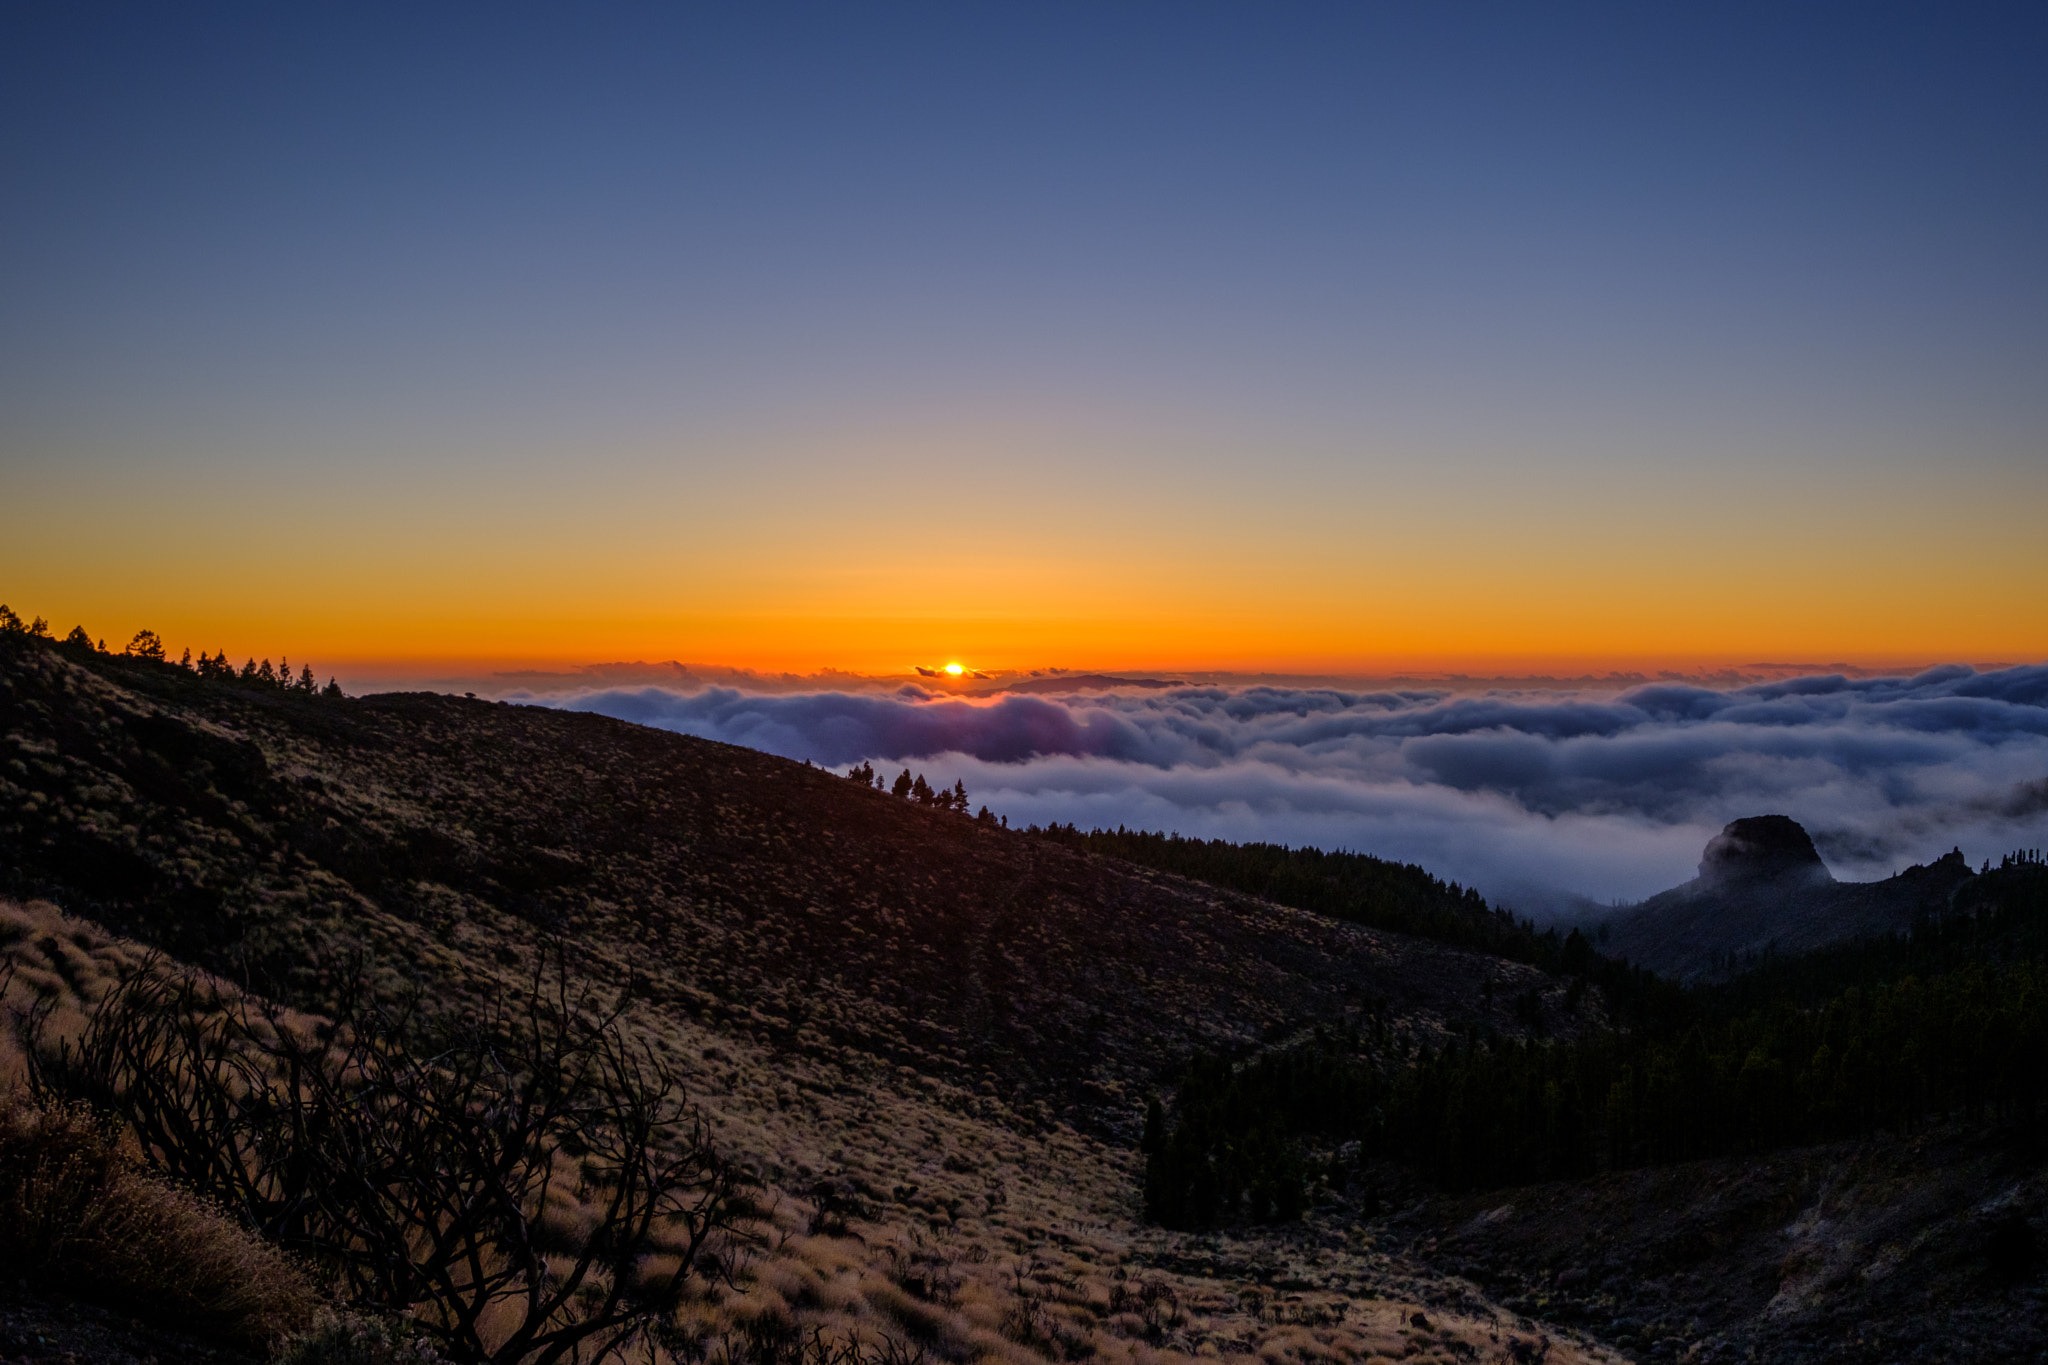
[{"x": 930, "y": 1038}]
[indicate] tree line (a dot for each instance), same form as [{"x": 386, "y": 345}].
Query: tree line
[
  {"x": 1949, "y": 1020},
  {"x": 1380, "y": 894},
  {"x": 147, "y": 644},
  {"x": 920, "y": 792}
]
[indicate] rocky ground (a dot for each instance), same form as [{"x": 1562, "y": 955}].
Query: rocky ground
[
  {"x": 1916, "y": 1248},
  {"x": 41, "y": 1328}
]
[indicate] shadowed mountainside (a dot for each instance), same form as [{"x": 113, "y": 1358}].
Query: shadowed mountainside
[
  {"x": 1763, "y": 889},
  {"x": 886, "y": 1012},
  {"x": 273, "y": 834}
]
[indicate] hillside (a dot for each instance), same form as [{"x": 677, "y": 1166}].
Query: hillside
[
  {"x": 928, "y": 1030},
  {"x": 933, "y": 1039},
  {"x": 272, "y": 832}
]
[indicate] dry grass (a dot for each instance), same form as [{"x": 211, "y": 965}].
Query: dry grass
[
  {"x": 75, "y": 1213},
  {"x": 910, "y": 1208}
]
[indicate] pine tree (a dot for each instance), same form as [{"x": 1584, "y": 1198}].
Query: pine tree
[
  {"x": 332, "y": 690},
  {"x": 902, "y": 785},
  {"x": 921, "y": 791},
  {"x": 306, "y": 683},
  {"x": 960, "y": 796}
]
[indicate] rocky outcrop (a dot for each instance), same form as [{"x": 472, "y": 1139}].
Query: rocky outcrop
[{"x": 1763, "y": 888}]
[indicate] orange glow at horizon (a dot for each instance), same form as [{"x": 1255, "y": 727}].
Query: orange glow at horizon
[{"x": 1205, "y": 571}]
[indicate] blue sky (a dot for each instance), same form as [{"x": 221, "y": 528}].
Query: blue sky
[{"x": 534, "y": 282}]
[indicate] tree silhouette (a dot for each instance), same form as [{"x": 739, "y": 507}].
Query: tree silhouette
[
  {"x": 147, "y": 644},
  {"x": 902, "y": 785}
]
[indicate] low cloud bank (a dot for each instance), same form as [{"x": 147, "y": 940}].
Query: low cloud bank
[{"x": 1533, "y": 797}]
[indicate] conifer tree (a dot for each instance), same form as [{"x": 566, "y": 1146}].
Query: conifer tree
[
  {"x": 147, "y": 644},
  {"x": 921, "y": 791},
  {"x": 332, "y": 690},
  {"x": 306, "y": 683},
  {"x": 902, "y": 785}
]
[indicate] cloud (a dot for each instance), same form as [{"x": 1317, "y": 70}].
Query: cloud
[{"x": 1527, "y": 795}]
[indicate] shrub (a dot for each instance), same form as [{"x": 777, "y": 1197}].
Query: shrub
[
  {"x": 76, "y": 1213},
  {"x": 416, "y": 1160}
]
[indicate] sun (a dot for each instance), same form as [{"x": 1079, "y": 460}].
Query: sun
[{"x": 954, "y": 669}]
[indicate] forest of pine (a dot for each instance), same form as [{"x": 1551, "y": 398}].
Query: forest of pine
[
  {"x": 1946, "y": 1021},
  {"x": 147, "y": 644}
]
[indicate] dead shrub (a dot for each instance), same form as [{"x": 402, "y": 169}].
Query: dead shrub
[
  {"x": 75, "y": 1212},
  {"x": 524, "y": 1183}
]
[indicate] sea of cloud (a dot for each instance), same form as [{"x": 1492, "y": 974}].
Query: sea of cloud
[{"x": 1536, "y": 798}]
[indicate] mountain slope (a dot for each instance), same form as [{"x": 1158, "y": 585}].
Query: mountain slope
[
  {"x": 929, "y": 1037},
  {"x": 274, "y": 832},
  {"x": 1762, "y": 888}
]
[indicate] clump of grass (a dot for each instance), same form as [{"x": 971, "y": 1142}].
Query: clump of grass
[
  {"x": 77, "y": 1213},
  {"x": 349, "y": 1339}
]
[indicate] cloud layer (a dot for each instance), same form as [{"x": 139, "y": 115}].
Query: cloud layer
[{"x": 1526, "y": 795}]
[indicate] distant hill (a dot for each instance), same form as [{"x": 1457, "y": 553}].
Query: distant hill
[
  {"x": 1763, "y": 889},
  {"x": 1078, "y": 682}
]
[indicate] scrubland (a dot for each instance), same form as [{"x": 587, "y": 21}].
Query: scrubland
[{"x": 928, "y": 1042}]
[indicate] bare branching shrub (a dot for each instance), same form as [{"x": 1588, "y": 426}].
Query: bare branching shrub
[
  {"x": 417, "y": 1159},
  {"x": 76, "y": 1213}
]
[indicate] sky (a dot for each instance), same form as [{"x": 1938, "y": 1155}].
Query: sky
[{"x": 1277, "y": 337}]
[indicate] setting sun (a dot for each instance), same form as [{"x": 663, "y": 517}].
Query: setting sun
[{"x": 954, "y": 669}]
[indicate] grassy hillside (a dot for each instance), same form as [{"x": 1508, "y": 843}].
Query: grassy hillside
[{"x": 929, "y": 1039}]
